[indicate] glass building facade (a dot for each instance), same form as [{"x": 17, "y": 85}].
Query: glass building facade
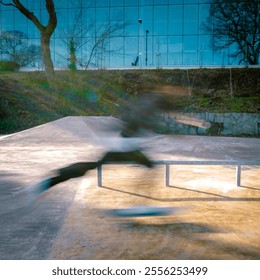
[{"x": 148, "y": 33}]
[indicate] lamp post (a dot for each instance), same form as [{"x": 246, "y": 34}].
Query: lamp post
[
  {"x": 140, "y": 21},
  {"x": 146, "y": 46}
]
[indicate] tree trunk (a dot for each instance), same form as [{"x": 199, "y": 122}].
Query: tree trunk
[
  {"x": 46, "y": 55},
  {"x": 46, "y": 32}
]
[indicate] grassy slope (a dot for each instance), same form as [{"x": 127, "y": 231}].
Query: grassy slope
[{"x": 27, "y": 100}]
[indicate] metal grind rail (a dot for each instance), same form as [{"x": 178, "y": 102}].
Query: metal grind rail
[{"x": 168, "y": 163}]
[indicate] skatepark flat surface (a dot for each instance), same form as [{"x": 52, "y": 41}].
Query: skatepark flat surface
[{"x": 70, "y": 221}]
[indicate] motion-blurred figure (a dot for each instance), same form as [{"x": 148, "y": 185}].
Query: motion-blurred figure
[
  {"x": 140, "y": 116},
  {"x": 143, "y": 113}
]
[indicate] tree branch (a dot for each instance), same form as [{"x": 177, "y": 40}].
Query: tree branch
[
  {"x": 52, "y": 23},
  {"x": 7, "y": 4},
  {"x": 28, "y": 14},
  {"x": 236, "y": 22}
]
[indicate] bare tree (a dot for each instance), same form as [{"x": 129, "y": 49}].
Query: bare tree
[
  {"x": 11, "y": 42},
  {"x": 29, "y": 55},
  {"x": 45, "y": 31},
  {"x": 94, "y": 36},
  {"x": 102, "y": 34},
  {"x": 14, "y": 46},
  {"x": 236, "y": 23},
  {"x": 74, "y": 38}
]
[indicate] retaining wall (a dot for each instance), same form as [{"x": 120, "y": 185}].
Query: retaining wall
[{"x": 226, "y": 124}]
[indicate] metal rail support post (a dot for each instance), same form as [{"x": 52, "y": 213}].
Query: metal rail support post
[
  {"x": 238, "y": 175},
  {"x": 167, "y": 175},
  {"x": 99, "y": 175}
]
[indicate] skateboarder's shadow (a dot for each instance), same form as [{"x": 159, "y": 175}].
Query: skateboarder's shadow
[{"x": 177, "y": 227}]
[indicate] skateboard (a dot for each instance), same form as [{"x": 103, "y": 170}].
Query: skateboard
[{"x": 143, "y": 211}]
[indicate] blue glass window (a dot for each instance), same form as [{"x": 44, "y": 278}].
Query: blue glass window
[
  {"x": 131, "y": 3},
  {"x": 57, "y": 4},
  {"x": 116, "y": 51},
  {"x": 190, "y": 50},
  {"x": 116, "y": 3},
  {"x": 176, "y": 33},
  {"x": 203, "y": 15},
  {"x": 145, "y": 2},
  {"x": 131, "y": 17},
  {"x": 160, "y": 54},
  {"x": 174, "y": 2},
  {"x": 148, "y": 19},
  {"x": 190, "y": 2},
  {"x": 160, "y": 20},
  {"x": 33, "y": 32},
  {"x": 190, "y": 43},
  {"x": 102, "y": 14},
  {"x": 160, "y": 2},
  {"x": 131, "y": 50},
  {"x": 117, "y": 14},
  {"x": 190, "y": 19},
  {"x": 7, "y": 20},
  {"x": 102, "y": 3},
  {"x": 20, "y": 20},
  {"x": 175, "y": 20},
  {"x": 88, "y": 3}
]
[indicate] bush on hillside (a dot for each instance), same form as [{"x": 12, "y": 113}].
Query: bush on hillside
[{"x": 9, "y": 66}]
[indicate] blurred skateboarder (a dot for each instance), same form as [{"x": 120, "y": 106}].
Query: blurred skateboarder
[{"x": 139, "y": 116}]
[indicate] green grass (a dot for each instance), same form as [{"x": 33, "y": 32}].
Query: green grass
[{"x": 226, "y": 104}]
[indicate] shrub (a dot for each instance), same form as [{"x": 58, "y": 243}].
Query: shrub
[{"x": 9, "y": 66}]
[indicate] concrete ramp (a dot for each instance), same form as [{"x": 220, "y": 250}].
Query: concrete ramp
[
  {"x": 28, "y": 230},
  {"x": 69, "y": 221}
]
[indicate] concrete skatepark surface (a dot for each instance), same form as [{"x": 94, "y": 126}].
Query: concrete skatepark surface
[{"x": 222, "y": 221}]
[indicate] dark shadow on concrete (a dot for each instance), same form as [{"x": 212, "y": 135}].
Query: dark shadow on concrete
[
  {"x": 12, "y": 194},
  {"x": 28, "y": 229},
  {"x": 176, "y": 199},
  {"x": 250, "y": 188},
  {"x": 175, "y": 228},
  {"x": 235, "y": 251},
  {"x": 197, "y": 191},
  {"x": 8, "y": 186},
  {"x": 197, "y": 232}
]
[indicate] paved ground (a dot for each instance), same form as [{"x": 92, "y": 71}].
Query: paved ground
[{"x": 222, "y": 221}]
